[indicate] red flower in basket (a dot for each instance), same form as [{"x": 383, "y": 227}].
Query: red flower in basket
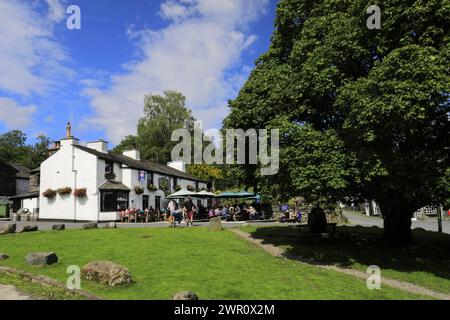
[{"x": 80, "y": 193}]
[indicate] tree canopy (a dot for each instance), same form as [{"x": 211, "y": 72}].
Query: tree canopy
[
  {"x": 13, "y": 149},
  {"x": 162, "y": 115},
  {"x": 364, "y": 114}
]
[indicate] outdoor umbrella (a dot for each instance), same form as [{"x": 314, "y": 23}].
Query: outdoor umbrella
[
  {"x": 181, "y": 194},
  {"x": 228, "y": 194},
  {"x": 245, "y": 194},
  {"x": 236, "y": 195},
  {"x": 256, "y": 197},
  {"x": 204, "y": 194}
]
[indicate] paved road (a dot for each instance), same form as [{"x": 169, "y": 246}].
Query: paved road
[
  {"x": 363, "y": 220},
  {"x": 354, "y": 218},
  {"x": 44, "y": 225}
]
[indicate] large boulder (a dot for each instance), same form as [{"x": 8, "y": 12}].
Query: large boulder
[
  {"x": 215, "y": 224},
  {"x": 3, "y": 257},
  {"x": 185, "y": 295},
  {"x": 92, "y": 225},
  {"x": 58, "y": 227},
  {"x": 8, "y": 228},
  {"x": 28, "y": 229},
  {"x": 41, "y": 258},
  {"x": 111, "y": 225},
  {"x": 106, "y": 272}
]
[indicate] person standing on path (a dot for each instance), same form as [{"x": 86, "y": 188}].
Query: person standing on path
[{"x": 189, "y": 206}]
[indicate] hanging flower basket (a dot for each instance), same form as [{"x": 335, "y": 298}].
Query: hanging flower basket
[
  {"x": 190, "y": 188},
  {"x": 64, "y": 191},
  {"x": 80, "y": 193},
  {"x": 49, "y": 193},
  {"x": 138, "y": 190},
  {"x": 152, "y": 188}
]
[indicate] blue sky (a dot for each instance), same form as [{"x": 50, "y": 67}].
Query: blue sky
[{"x": 96, "y": 77}]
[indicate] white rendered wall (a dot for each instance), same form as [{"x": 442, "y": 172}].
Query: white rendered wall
[
  {"x": 30, "y": 204},
  {"x": 74, "y": 168}
]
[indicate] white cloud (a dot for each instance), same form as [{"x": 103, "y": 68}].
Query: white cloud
[
  {"x": 194, "y": 54},
  {"x": 13, "y": 115},
  {"x": 56, "y": 11},
  {"x": 30, "y": 58}
]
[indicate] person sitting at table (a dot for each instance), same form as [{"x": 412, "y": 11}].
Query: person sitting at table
[
  {"x": 124, "y": 215},
  {"x": 292, "y": 216},
  {"x": 132, "y": 214},
  {"x": 162, "y": 215},
  {"x": 252, "y": 213},
  {"x": 237, "y": 213},
  {"x": 244, "y": 212},
  {"x": 225, "y": 213},
  {"x": 299, "y": 216}
]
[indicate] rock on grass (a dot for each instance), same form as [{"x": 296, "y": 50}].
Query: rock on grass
[
  {"x": 32, "y": 228},
  {"x": 8, "y": 228},
  {"x": 106, "y": 272},
  {"x": 41, "y": 258},
  {"x": 90, "y": 226},
  {"x": 185, "y": 295},
  {"x": 3, "y": 257}
]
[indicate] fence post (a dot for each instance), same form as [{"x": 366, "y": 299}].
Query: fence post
[{"x": 439, "y": 216}]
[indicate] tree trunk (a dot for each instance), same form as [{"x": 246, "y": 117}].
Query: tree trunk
[
  {"x": 397, "y": 228},
  {"x": 317, "y": 220}
]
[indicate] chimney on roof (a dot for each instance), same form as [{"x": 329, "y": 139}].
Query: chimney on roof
[
  {"x": 179, "y": 165},
  {"x": 69, "y": 139},
  {"x": 68, "y": 131},
  {"x": 133, "y": 154},
  {"x": 99, "y": 145}
]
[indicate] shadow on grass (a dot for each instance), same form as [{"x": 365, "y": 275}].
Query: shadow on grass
[{"x": 362, "y": 246}]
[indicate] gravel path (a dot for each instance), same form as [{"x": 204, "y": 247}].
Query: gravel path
[
  {"x": 11, "y": 293},
  {"x": 405, "y": 286}
]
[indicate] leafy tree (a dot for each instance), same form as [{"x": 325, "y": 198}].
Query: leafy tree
[
  {"x": 376, "y": 102},
  {"x": 127, "y": 143},
  {"x": 13, "y": 149},
  {"x": 162, "y": 115},
  {"x": 206, "y": 172},
  {"x": 12, "y": 146},
  {"x": 39, "y": 151}
]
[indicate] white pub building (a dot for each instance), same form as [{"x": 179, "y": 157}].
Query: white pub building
[{"x": 89, "y": 183}]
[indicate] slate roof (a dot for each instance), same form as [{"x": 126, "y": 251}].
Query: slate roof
[
  {"x": 28, "y": 195},
  {"x": 114, "y": 185},
  {"x": 22, "y": 172},
  {"x": 36, "y": 170},
  {"x": 144, "y": 165}
]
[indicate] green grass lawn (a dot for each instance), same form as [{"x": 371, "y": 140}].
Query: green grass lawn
[
  {"x": 427, "y": 265},
  {"x": 215, "y": 265}
]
